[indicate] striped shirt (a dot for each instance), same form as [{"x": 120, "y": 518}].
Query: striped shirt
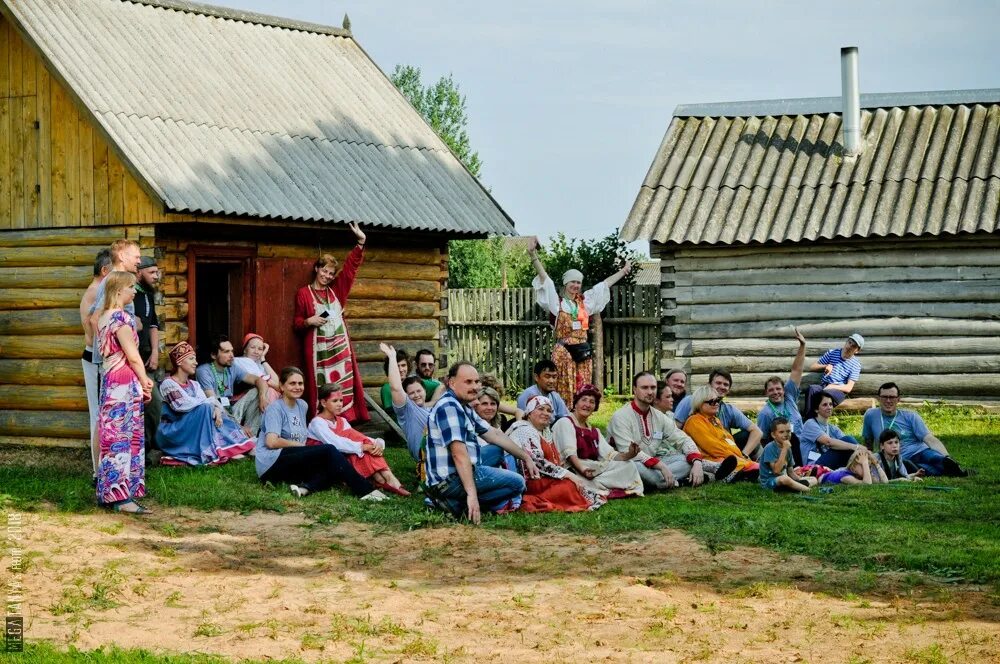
[
  {"x": 451, "y": 420},
  {"x": 843, "y": 370}
]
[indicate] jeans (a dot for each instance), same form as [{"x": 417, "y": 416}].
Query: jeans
[
  {"x": 495, "y": 488},
  {"x": 493, "y": 456},
  {"x": 930, "y": 460},
  {"x": 836, "y": 458},
  {"x": 316, "y": 468},
  {"x": 812, "y": 400},
  {"x": 92, "y": 386}
]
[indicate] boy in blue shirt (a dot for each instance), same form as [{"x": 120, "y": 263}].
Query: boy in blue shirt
[
  {"x": 776, "y": 471},
  {"x": 782, "y": 399}
]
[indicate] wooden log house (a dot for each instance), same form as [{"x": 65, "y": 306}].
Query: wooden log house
[
  {"x": 763, "y": 221},
  {"x": 235, "y": 148}
]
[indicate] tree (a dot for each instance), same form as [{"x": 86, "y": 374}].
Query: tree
[
  {"x": 443, "y": 106},
  {"x": 597, "y": 259},
  {"x": 487, "y": 263}
]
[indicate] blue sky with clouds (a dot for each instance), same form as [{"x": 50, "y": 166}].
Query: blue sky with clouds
[{"x": 568, "y": 100}]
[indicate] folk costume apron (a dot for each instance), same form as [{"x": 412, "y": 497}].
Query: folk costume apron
[{"x": 331, "y": 360}]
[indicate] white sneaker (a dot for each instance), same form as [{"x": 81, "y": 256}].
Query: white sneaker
[
  {"x": 299, "y": 491},
  {"x": 375, "y": 496}
]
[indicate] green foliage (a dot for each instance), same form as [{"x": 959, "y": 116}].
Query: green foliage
[
  {"x": 597, "y": 259},
  {"x": 443, "y": 106},
  {"x": 481, "y": 264}
]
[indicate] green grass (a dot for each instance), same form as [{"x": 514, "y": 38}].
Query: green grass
[
  {"x": 45, "y": 653},
  {"x": 943, "y": 527}
]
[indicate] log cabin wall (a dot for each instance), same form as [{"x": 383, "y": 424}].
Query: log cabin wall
[
  {"x": 929, "y": 310},
  {"x": 56, "y": 168},
  {"x": 43, "y": 274}
]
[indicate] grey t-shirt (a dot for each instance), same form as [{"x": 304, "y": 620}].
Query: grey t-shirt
[
  {"x": 413, "y": 421},
  {"x": 287, "y": 423}
]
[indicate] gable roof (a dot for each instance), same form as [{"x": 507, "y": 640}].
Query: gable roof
[
  {"x": 775, "y": 171},
  {"x": 234, "y": 113}
]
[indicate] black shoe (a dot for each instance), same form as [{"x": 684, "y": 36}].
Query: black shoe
[
  {"x": 951, "y": 468},
  {"x": 727, "y": 470}
]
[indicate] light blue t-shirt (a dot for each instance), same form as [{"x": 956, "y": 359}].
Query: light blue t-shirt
[
  {"x": 210, "y": 379},
  {"x": 559, "y": 408},
  {"x": 98, "y": 303},
  {"x": 843, "y": 370},
  {"x": 907, "y": 423},
  {"x": 730, "y": 416},
  {"x": 771, "y": 453},
  {"x": 288, "y": 423},
  {"x": 812, "y": 430},
  {"x": 788, "y": 409},
  {"x": 412, "y": 420}
]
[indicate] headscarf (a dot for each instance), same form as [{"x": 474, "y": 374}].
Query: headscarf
[
  {"x": 535, "y": 402},
  {"x": 250, "y": 336},
  {"x": 587, "y": 389},
  {"x": 181, "y": 352},
  {"x": 572, "y": 275}
]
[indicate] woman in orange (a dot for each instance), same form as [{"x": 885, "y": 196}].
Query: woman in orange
[
  {"x": 714, "y": 440},
  {"x": 319, "y": 317},
  {"x": 557, "y": 490},
  {"x": 569, "y": 314}
]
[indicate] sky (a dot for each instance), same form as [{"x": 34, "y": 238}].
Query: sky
[{"x": 569, "y": 100}]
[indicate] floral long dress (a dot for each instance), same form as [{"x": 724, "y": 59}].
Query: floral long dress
[{"x": 121, "y": 466}]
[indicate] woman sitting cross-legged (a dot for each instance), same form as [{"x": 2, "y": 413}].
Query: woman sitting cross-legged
[
  {"x": 557, "y": 490},
  {"x": 364, "y": 453},
  {"x": 585, "y": 451},
  {"x": 714, "y": 440},
  {"x": 282, "y": 453},
  {"x": 195, "y": 429}
]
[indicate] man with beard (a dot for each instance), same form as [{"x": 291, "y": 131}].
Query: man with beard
[
  {"x": 219, "y": 377},
  {"x": 149, "y": 346},
  {"x": 676, "y": 380},
  {"x": 425, "y": 365}
]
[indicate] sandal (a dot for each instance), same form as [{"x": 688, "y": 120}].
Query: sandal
[{"x": 129, "y": 507}]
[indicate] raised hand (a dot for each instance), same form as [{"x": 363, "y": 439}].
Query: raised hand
[
  {"x": 358, "y": 233},
  {"x": 388, "y": 350},
  {"x": 798, "y": 335}
]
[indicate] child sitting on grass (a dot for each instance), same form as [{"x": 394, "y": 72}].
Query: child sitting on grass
[
  {"x": 895, "y": 467},
  {"x": 776, "y": 472},
  {"x": 364, "y": 453},
  {"x": 861, "y": 468}
]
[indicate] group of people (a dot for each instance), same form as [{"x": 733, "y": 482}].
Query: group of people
[{"x": 473, "y": 453}]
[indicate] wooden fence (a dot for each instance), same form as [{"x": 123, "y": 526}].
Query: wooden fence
[{"x": 504, "y": 333}]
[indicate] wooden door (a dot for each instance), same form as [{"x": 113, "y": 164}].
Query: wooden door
[{"x": 277, "y": 281}]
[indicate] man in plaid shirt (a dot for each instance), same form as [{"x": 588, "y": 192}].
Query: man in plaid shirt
[{"x": 455, "y": 478}]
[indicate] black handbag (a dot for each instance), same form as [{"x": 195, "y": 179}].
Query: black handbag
[{"x": 579, "y": 352}]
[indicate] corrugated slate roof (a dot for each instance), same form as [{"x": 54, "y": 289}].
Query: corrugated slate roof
[
  {"x": 743, "y": 176},
  {"x": 233, "y": 113}
]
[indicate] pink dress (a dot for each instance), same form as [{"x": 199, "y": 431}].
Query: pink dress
[{"x": 121, "y": 468}]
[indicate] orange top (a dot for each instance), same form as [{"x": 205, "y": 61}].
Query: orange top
[{"x": 714, "y": 441}]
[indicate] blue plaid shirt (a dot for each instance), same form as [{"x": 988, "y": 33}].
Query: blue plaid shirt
[{"x": 451, "y": 420}]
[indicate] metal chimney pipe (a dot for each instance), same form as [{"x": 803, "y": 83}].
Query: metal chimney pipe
[{"x": 850, "y": 97}]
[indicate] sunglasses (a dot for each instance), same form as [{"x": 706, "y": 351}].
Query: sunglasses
[{"x": 714, "y": 402}]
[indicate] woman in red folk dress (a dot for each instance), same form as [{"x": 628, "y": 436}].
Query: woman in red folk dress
[{"x": 319, "y": 317}]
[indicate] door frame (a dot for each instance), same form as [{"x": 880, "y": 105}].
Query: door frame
[{"x": 214, "y": 253}]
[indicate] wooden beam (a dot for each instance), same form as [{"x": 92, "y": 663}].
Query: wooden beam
[
  {"x": 896, "y": 326},
  {"x": 787, "y": 348},
  {"x": 812, "y": 276},
  {"x": 384, "y": 328},
  {"x": 48, "y": 346},
  {"x": 48, "y": 256},
  {"x": 39, "y": 298},
  {"x": 42, "y": 424},
  {"x": 39, "y": 441},
  {"x": 854, "y": 293},
  {"x": 777, "y": 311},
  {"x": 917, "y": 364},
  {"x": 41, "y": 372},
  {"x": 41, "y": 321},
  {"x": 67, "y": 276},
  {"x": 43, "y": 397}
]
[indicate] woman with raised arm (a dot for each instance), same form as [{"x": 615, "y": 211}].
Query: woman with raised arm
[
  {"x": 319, "y": 317},
  {"x": 569, "y": 314},
  {"x": 125, "y": 387}
]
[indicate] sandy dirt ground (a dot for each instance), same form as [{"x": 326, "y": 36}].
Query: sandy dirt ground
[{"x": 276, "y": 586}]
